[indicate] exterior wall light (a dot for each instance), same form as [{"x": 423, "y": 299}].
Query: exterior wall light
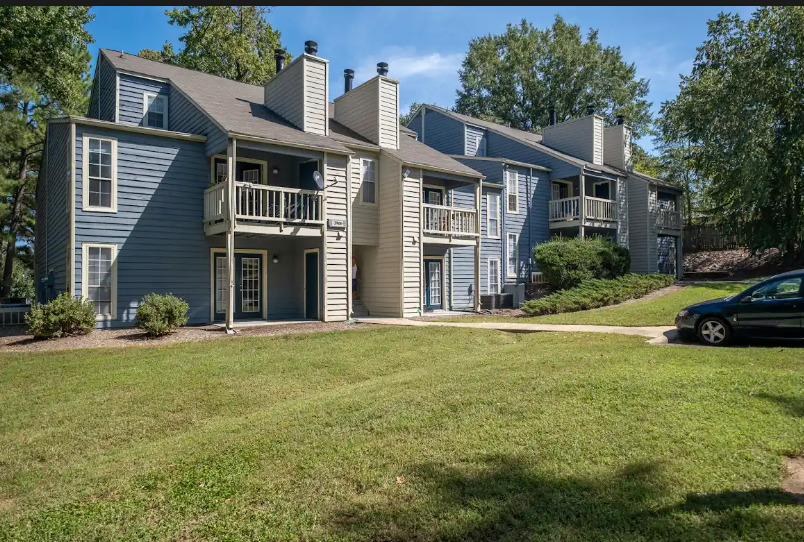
[{"x": 275, "y": 259}]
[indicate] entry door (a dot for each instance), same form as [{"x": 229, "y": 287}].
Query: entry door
[
  {"x": 433, "y": 285},
  {"x": 248, "y": 290},
  {"x": 433, "y": 196},
  {"x": 311, "y": 293},
  {"x": 775, "y": 309}
]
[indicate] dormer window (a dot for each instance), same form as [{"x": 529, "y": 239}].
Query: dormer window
[{"x": 155, "y": 111}]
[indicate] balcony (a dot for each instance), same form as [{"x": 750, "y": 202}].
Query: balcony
[
  {"x": 442, "y": 224},
  {"x": 265, "y": 209},
  {"x": 598, "y": 212},
  {"x": 668, "y": 220}
]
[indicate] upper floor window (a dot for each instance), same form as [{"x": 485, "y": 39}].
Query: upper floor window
[
  {"x": 512, "y": 190},
  {"x": 493, "y": 215},
  {"x": 368, "y": 185},
  {"x": 99, "y": 184},
  {"x": 155, "y": 111}
]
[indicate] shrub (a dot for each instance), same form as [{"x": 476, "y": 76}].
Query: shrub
[
  {"x": 568, "y": 261},
  {"x": 159, "y": 314},
  {"x": 595, "y": 293},
  {"x": 65, "y": 315}
]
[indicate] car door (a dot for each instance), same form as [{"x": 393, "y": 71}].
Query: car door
[{"x": 773, "y": 310}]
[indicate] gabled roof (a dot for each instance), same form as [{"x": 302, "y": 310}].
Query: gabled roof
[
  {"x": 236, "y": 107},
  {"x": 417, "y": 154},
  {"x": 647, "y": 178},
  {"x": 527, "y": 138}
]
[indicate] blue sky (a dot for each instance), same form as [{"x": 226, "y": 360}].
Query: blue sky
[{"x": 424, "y": 46}]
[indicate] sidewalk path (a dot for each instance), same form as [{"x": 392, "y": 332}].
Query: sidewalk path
[{"x": 656, "y": 334}]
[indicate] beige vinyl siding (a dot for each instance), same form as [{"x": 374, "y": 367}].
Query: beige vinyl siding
[
  {"x": 621, "y": 187},
  {"x": 358, "y": 109},
  {"x": 581, "y": 138},
  {"x": 388, "y": 114},
  {"x": 638, "y": 222},
  {"x": 617, "y": 146},
  {"x": 365, "y": 216},
  {"x": 283, "y": 93},
  {"x": 337, "y": 268},
  {"x": 381, "y": 272},
  {"x": 315, "y": 96},
  {"x": 411, "y": 241},
  {"x": 653, "y": 263},
  {"x": 627, "y": 139}
]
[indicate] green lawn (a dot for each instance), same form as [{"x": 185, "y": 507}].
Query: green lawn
[
  {"x": 659, "y": 311},
  {"x": 401, "y": 434}
]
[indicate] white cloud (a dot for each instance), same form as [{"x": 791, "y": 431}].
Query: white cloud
[{"x": 405, "y": 62}]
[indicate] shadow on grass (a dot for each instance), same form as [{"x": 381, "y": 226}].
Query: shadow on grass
[
  {"x": 506, "y": 498},
  {"x": 793, "y": 405}
]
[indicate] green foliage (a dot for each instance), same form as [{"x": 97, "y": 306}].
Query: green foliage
[
  {"x": 235, "y": 42},
  {"x": 160, "y": 314},
  {"x": 742, "y": 111},
  {"x": 63, "y": 316},
  {"x": 515, "y": 76},
  {"x": 595, "y": 293},
  {"x": 568, "y": 261}
]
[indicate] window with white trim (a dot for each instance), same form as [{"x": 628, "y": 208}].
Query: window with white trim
[
  {"x": 99, "y": 278},
  {"x": 494, "y": 276},
  {"x": 155, "y": 111},
  {"x": 368, "y": 185},
  {"x": 100, "y": 174},
  {"x": 512, "y": 190},
  {"x": 512, "y": 255},
  {"x": 493, "y": 215}
]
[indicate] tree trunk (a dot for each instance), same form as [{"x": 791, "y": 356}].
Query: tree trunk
[{"x": 15, "y": 225}]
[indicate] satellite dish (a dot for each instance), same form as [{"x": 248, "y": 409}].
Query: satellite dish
[{"x": 318, "y": 179}]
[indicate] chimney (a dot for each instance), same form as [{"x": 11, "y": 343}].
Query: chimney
[
  {"x": 299, "y": 90},
  {"x": 590, "y": 109},
  {"x": 617, "y": 145},
  {"x": 348, "y": 76},
  {"x": 279, "y": 56},
  {"x": 551, "y": 111},
  {"x": 620, "y": 120},
  {"x": 382, "y": 68}
]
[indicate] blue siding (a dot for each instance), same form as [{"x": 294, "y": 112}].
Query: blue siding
[
  {"x": 415, "y": 124},
  {"x": 442, "y": 133},
  {"x": 161, "y": 246},
  {"x": 183, "y": 116},
  {"x": 52, "y": 221},
  {"x": 490, "y": 248},
  {"x": 103, "y": 99},
  {"x": 132, "y": 90},
  {"x": 504, "y": 147},
  {"x": 475, "y": 141},
  {"x": 462, "y": 259}
]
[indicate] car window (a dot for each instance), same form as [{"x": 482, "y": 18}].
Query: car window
[{"x": 780, "y": 289}]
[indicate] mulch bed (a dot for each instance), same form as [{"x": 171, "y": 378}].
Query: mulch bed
[{"x": 14, "y": 339}]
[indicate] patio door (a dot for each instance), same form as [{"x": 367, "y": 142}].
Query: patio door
[
  {"x": 433, "y": 284},
  {"x": 433, "y": 196},
  {"x": 248, "y": 286}
]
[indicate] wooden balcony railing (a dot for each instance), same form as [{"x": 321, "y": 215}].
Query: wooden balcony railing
[
  {"x": 260, "y": 203},
  {"x": 665, "y": 218},
  {"x": 601, "y": 209},
  {"x": 568, "y": 209},
  {"x": 445, "y": 220}
]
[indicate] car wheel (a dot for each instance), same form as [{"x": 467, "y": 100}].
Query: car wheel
[{"x": 714, "y": 331}]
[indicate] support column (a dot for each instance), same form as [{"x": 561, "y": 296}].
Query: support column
[
  {"x": 322, "y": 261},
  {"x": 581, "y": 204},
  {"x": 478, "y": 208},
  {"x": 231, "y": 160},
  {"x": 349, "y": 252}
]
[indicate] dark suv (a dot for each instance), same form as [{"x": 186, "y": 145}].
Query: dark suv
[{"x": 771, "y": 308}]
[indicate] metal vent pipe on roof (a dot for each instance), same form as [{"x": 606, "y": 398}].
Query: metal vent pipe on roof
[
  {"x": 279, "y": 56},
  {"x": 311, "y": 47},
  {"x": 382, "y": 68},
  {"x": 348, "y": 76}
]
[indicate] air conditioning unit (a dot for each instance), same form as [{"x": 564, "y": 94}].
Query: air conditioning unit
[{"x": 538, "y": 277}]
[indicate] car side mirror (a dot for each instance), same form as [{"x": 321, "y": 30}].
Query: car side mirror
[{"x": 747, "y": 299}]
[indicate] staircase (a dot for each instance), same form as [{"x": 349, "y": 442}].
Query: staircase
[{"x": 359, "y": 310}]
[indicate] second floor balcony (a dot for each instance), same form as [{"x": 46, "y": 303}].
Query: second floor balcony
[
  {"x": 566, "y": 212},
  {"x": 443, "y": 224},
  {"x": 264, "y": 209},
  {"x": 668, "y": 219}
]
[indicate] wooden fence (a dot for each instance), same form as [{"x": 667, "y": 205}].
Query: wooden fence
[{"x": 708, "y": 237}]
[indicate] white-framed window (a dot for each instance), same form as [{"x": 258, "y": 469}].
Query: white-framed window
[
  {"x": 368, "y": 181},
  {"x": 494, "y": 276},
  {"x": 154, "y": 110},
  {"x": 99, "y": 278},
  {"x": 512, "y": 191},
  {"x": 99, "y": 178},
  {"x": 493, "y": 216},
  {"x": 512, "y": 255}
]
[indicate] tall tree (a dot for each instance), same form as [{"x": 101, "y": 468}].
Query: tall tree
[
  {"x": 515, "y": 76},
  {"x": 235, "y": 42},
  {"x": 33, "y": 90},
  {"x": 742, "y": 109}
]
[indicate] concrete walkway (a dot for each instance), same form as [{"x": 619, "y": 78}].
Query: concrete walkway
[{"x": 656, "y": 334}]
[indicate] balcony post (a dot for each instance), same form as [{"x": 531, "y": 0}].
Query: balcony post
[
  {"x": 231, "y": 161},
  {"x": 478, "y": 204},
  {"x": 581, "y": 204}
]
